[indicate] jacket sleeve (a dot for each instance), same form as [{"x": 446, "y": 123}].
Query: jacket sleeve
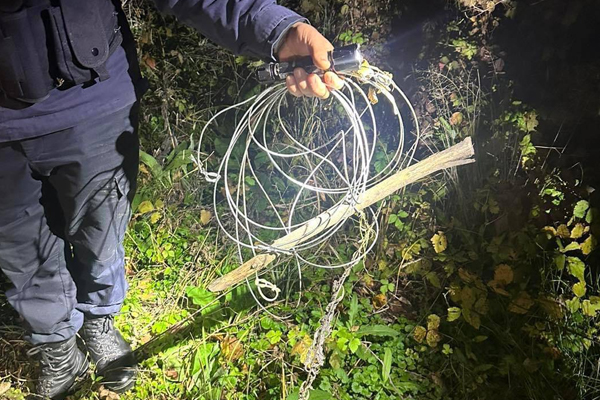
[{"x": 251, "y": 27}]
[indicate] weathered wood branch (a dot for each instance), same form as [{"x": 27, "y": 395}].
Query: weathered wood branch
[{"x": 459, "y": 154}]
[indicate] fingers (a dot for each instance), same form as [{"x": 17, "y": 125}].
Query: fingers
[
  {"x": 303, "y": 84},
  {"x": 292, "y": 86},
  {"x": 333, "y": 80}
]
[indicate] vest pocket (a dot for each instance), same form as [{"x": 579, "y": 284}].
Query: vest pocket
[
  {"x": 63, "y": 56},
  {"x": 81, "y": 43},
  {"x": 23, "y": 64}
]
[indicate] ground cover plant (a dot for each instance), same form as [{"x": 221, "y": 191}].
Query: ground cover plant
[{"x": 483, "y": 283}]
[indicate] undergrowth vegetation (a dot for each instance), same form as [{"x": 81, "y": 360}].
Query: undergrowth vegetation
[{"x": 481, "y": 286}]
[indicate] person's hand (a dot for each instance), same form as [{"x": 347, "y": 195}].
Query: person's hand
[{"x": 304, "y": 40}]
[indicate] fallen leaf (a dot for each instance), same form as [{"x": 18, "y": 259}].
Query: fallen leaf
[
  {"x": 105, "y": 394},
  {"x": 155, "y": 217},
  {"x": 172, "y": 374},
  {"x": 231, "y": 348},
  {"x": 503, "y": 274},
  {"x": 498, "y": 287},
  {"x": 372, "y": 95},
  {"x": 145, "y": 207},
  {"x": 456, "y": 118},
  {"x": 379, "y": 301},
  {"x": 149, "y": 61},
  {"x": 205, "y": 217},
  {"x": 521, "y": 304}
]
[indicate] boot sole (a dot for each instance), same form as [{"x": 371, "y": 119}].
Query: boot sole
[{"x": 122, "y": 387}]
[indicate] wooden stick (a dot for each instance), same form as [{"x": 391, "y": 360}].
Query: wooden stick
[{"x": 459, "y": 154}]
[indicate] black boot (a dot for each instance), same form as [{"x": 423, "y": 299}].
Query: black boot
[
  {"x": 110, "y": 352},
  {"x": 62, "y": 364}
]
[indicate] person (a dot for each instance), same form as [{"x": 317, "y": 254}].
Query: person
[{"x": 70, "y": 88}]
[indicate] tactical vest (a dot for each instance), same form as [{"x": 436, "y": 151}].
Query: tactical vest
[{"x": 54, "y": 43}]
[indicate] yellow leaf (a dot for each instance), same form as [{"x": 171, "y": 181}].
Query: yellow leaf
[
  {"x": 372, "y": 95},
  {"x": 570, "y": 247},
  {"x": 155, "y": 217},
  {"x": 433, "y": 338},
  {"x": 579, "y": 289},
  {"x": 301, "y": 348},
  {"x": 145, "y": 207},
  {"x": 205, "y": 217},
  {"x": 521, "y": 304},
  {"x": 453, "y": 313},
  {"x": 588, "y": 245},
  {"x": 456, "y": 118},
  {"x": 231, "y": 348},
  {"x": 549, "y": 230},
  {"x": 159, "y": 203},
  {"x": 379, "y": 301},
  {"x": 588, "y": 309},
  {"x": 503, "y": 274},
  {"x": 563, "y": 232},
  {"x": 439, "y": 241},
  {"x": 433, "y": 322},
  {"x": 419, "y": 333},
  {"x": 577, "y": 231},
  {"x": 573, "y": 304}
]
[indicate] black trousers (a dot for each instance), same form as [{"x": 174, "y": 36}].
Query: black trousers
[{"x": 64, "y": 206}]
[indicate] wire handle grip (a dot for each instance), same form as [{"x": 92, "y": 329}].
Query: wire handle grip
[{"x": 343, "y": 59}]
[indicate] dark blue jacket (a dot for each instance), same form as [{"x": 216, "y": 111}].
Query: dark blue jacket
[{"x": 250, "y": 27}]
